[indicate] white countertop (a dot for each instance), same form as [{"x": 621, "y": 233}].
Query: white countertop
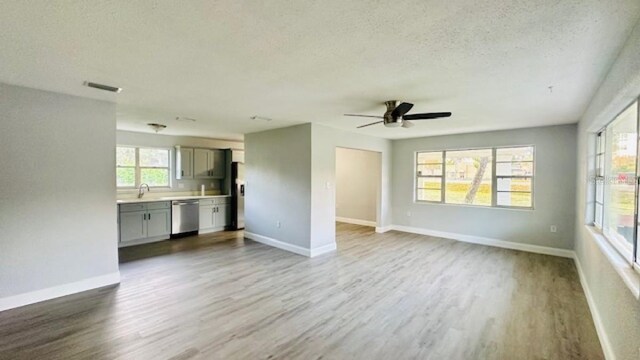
[{"x": 167, "y": 198}]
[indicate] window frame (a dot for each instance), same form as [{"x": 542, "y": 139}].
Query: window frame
[
  {"x": 138, "y": 167},
  {"x": 601, "y": 143},
  {"x": 629, "y": 255},
  {"x": 441, "y": 176},
  {"x": 134, "y": 167},
  {"x": 494, "y": 182},
  {"x": 495, "y": 177}
]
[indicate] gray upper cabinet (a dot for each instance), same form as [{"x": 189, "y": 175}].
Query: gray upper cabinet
[
  {"x": 201, "y": 163},
  {"x": 209, "y": 164},
  {"x": 218, "y": 165},
  {"x": 184, "y": 163}
]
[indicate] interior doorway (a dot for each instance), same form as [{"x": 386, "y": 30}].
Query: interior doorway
[{"x": 358, "y": 186}]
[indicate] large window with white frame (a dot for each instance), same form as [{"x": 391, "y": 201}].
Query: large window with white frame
[
  {"x": 497, "y": 177},
  {"x": 140, "y": 165},
  {"x": 616, "y": 174}
]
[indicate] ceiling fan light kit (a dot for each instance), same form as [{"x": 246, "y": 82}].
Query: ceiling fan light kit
[{"x": 396, "y": 115}]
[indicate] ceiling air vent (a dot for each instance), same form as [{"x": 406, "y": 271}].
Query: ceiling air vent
[{"x": 103, "y": 87}]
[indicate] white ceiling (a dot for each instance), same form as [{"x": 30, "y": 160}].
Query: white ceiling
[{"x": 220, "y": 62}]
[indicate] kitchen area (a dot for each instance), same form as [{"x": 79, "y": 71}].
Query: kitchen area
[{"x": 171, "y": 187}]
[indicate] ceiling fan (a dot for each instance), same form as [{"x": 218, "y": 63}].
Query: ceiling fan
[{"x": 396, "y": 116}]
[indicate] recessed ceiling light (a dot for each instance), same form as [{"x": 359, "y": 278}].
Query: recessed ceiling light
[{"x": 102, "y": 87}]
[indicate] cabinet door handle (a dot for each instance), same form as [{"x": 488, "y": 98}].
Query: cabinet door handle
[
  {"x": 181, "y": 172},
  {"x": 149, "y": 216},
  {"x": 145, "y": 216}
]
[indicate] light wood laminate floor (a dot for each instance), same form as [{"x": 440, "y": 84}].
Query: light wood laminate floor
[{"x": 380, "y": 296}]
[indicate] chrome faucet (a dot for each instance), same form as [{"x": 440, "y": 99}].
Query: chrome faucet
[{"x": 141, "y": 190}]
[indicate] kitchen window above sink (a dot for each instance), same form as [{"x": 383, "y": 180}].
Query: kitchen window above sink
[{"x": 138, "y": 165}]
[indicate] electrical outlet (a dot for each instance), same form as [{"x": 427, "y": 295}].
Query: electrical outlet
[
  {"x": 408, "y": 213},
  {"x": 327, "y": 185},
  {"x": 180, "y": 186},
  {"x": 553, "y": 228},
  {"x": 278, "y": 224}
]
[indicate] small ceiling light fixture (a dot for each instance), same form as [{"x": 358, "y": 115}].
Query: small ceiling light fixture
[
  {"x": 157, "y": 127},
  {"x": 103, "y": 87},
  {"x": 256, "y": 117}
]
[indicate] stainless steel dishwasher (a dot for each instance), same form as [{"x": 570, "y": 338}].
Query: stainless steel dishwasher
[{"x": 184, "y": 216}]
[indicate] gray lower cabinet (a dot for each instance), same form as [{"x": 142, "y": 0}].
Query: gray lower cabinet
[
  {"x": 141, "y": 223},
  {"x": 132, "y": 226},
  {"x": 215, "y": 214},
  {"x": 158, "y": 223}
]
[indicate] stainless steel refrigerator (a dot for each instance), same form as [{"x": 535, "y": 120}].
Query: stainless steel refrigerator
[{"x": 237, "y": 196}]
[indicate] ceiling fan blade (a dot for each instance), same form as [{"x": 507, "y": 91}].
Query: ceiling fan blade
[
  {"x": 370, "y": 116},
  {"x": 426, "y": 116},
  {"x": 407, "y": 124},
  {"x": 401, "y": 109},
  {"x": 377, "y": 122}
]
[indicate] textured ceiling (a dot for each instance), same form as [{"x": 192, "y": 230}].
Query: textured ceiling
[{"x": 220, "y": 62}]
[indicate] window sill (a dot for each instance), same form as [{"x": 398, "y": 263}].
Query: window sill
[
  {"x": 627, "y": 271},
  {"x": 418, "y": 202}
]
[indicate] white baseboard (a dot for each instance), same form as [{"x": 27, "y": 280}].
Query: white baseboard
[
  {"x": 210, "y": 230},
  {"x": 356, "y": 221},
  {"x": 487, "y": 241},
  {"x": 32, "y": 297},
  {"x": 289, "y": 247},
  {"x": 323, "y": 249},
  {"x": 383, "y": 229},
  {"x": 595, "y": 314},
  {"x": 278, "y": 244},
  {"x": 144, "y": 241}
]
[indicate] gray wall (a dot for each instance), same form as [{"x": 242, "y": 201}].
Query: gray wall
[
  {"x": 167, "y": 141},
  {"x": 615, "y": 306},
  {"x": 325, "y": 140},
  {"x": 554, "y": 193},
  {"x": 57, "y": 190},
  {"x": 357, "y": 183},
  {"x": 290, "y": 174},
  {"x": 278, "y": 184}
]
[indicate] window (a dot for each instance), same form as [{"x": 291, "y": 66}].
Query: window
[
  {"x": 468, "y": 178},
  {"x": 514, "y": 176},
  {"x": 599, "y": 201},
  {"x": 500, "y": 177},
  {"x": 429, "y": 173},
  {"x": 135, "y": 166},
  {"x": 615, "y": 181}
]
